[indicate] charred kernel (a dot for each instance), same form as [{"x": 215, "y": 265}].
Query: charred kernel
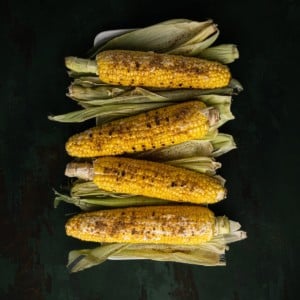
[
  {"x": 157, "y": 120},
  {"x": 156, "y": 180},
  {"x": 186, "y": 121},
  {"x": 165, "y": 227},
  {"x": 160, "y": 70}
]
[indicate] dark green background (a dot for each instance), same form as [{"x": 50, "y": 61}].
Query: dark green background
[{"x": 262, "y": 175}]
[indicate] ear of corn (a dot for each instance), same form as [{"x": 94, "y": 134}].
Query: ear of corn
[
  {"x": 211, "y": 253},
  {"x": 181, "y": 225},
  {"x": 136, "y": 68},
  {"x": 151, "y": 179},
  {"x": 162, "y": 127}
]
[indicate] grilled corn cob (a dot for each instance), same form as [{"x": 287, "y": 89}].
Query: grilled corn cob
[
  {"x": 165, "y": 126},
  {"x": 135, "y": 68},
  {"x": 152, "y": 179},
  {"x": 179, "y": 225}
]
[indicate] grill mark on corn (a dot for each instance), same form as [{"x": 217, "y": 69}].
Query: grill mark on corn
[
  {"x": 169, "y": 125},
  {"x": 169, "y": 225},
  {"x": 155, "y": 180},
  {"x": 160, "y": 70}
]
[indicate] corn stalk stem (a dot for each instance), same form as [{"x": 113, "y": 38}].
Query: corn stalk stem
[{"x": 82, "y": 170}]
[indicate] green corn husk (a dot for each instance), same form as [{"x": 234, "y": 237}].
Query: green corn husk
[
  {"x": 222, "y": 144},
  {"x": 206, "y": 165},
  {"x": 195, "y": 47},
  {"x": 88, "y": 81},
  {"x": 223, "y": 104},
  {"x": 90, "y": 203},
  {"x": 225, "y": 53},
  {"x": 92, "y": 79},
  {"x": 106, "y": 113},
  {"x": 184, "y": 150},
  {"x": 139, "y": 101},
  {"x": 99, "y": 93},
  {"x": 161, "y": 37},
  {"x": 213, "y": 146},
  {"x": 79, "y": 92},
  {"x": 211, "y": 253},
  {"x": 81, "y": 65}
]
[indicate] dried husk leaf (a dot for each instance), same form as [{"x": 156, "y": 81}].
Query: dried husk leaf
[
  {"x": 203, "y": 164},
  {"x": 222, "y": 144},
  {"x": 128, "y": 105},
  {"x": 225, "y": 53},
  {"x": 184, "y": 150},
  {"x": 160, "y": 37},
  {"x": 211, "y": 253},
  {"x": 93, "y": 202},
  {"x": 82, "y": 93},
  {"x": 196, "y": 48}
]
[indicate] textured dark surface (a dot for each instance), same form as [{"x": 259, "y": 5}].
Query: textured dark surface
[{"x": 262, "y": 175}]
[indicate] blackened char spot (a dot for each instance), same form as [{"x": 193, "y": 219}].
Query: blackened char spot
[
  {"x": 111, "y": 131},
  {"x": 157, "y": 120}
]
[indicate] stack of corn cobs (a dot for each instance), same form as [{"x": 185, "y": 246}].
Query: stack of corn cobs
[{"x": 147, "y": 171}]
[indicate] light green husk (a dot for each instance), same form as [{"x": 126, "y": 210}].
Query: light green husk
[
  {"x": 211, "y": 253},
  {"x": 225, "y": 53},
  {"x": 105, "y": 94},
  {"x": 81, "y": 65},
  {"x": 140, "y": 100},
  {"x": 222, "y": 144},
  {"x": 162, "y": 37},
  {"x": 195, "y": 47},
  {"x": 88, "y": 92},
  {"x": 200, "y": 164},
  {"x": 88, "y": 203},
  {"x": 213, "y": 145}
]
